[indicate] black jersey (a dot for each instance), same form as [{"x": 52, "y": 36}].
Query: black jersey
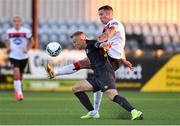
[
  {"x": 104, "y": 76},
  {"x": 95, "y": 55},
  {"x": 115, "y": 63}
]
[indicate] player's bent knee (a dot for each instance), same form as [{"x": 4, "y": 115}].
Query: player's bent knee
[
  {"x": 82, "y": 86},
  {"x": 74, "y": 89},
  {"x": 16, "y": 74},
  {"x": 77, "y": 88},
  {"x": 111, "y": 93}
]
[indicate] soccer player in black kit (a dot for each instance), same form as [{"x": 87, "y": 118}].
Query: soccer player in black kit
[
  {"x": 104, "y": 76},
  {"x": 114, "y": 34}
]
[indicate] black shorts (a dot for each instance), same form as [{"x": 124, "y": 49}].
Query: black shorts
[
  {"x": 21, "y": 64},
  {"x": 103, "y": 79}
]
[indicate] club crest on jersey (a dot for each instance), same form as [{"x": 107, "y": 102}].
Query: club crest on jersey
[
  {"x": 105, "y": 87},
  {"x": 114, "y": 23},
  {"x": 17, "y": 41}
]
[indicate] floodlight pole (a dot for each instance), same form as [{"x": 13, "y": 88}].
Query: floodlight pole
[{"x": 35, "y": 23}]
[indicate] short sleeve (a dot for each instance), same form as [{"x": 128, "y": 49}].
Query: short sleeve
[
  {"x": 28, "y": 34},
  {"x": 6, "y": 35},
  {"x": 115, "y": 24}
]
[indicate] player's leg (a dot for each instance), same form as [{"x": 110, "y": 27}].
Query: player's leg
[
  {"x": 18, "y": 71},
  {"x": 68, "y": 69},
  {"x": 17, "y": 83},
  {"x": 113, "y": 95},
  {"x": 78, "y": 90},
  {"x": 16, "y": 79},
  {"x": 97, "y": 101}
]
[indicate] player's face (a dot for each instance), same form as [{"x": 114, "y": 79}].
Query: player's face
[
  {"x": 79, "y": 41},
  {"x": 105, "y": 16},
  {"x": 17, "y": 22}
]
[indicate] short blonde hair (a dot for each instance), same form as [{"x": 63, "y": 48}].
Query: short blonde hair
[
  {"x": 77, "y": 33},
  {"x": 17, "y": 16}
]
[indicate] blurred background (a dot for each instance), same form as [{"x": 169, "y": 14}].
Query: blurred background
[
  {"x": 152, "y": 45},
  {"x": 152, "y": 40}
]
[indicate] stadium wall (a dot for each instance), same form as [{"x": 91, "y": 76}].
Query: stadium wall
[
  {"x": 151, "y": 73},
  {"x": 153, "y": 11}
]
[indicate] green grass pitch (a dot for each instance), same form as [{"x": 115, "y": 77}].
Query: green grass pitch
[{"x": 61, "y": 108}]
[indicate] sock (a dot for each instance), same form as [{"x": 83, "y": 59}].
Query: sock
[
  {"x": 97, "y": 100},
  {"x": 123, "y": 102},
  {"x": 134, "y": 110},
  {"x": 84, "y": 99},
  {"x": 68, "y": 69},
  {"x": 17, "y": 86}
]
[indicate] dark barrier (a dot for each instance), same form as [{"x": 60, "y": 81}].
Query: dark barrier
[
  {"x": 145, "y": 66},
  {"x": 6, "y": 78}
]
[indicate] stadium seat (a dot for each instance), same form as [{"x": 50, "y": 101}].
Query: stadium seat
[
  {"x": 54, "y": 37},
  {"x": 43, "y": 40},
  {"x": 149, "y": 42},
  {"x": 149, "y": 36},
  {"x": 137, "y": 29},
  {"x": 146, "y": 29},
  {"x": 155, "y": 30},
  {"x": 175, "y": 38},
  {"x": 128, "y": 28},
  {"x": 171, "y": 29},
  {"x": 163, "y": 29}
]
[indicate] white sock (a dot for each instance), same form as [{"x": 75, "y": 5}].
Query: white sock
[
  {"x": 97, "y": 100},
  {"x": 17, "y": 86},
  {"x": 68, "y": 69},
  {"x": 133, "y": 110}
]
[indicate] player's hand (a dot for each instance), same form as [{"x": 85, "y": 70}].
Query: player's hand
[
  {"x": 106, "y": 46},
  {"x": 102, "y": 38},
  {"x": 127, "y": 63},
  {"x": 8, "y": 50},
  {"x": 25, "y": 50}
]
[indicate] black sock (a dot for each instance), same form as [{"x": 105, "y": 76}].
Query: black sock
[
  {"x": 123, "y": 102},
  {"x": 84, "y": 99}
]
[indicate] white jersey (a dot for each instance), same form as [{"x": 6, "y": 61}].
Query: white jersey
[
  {"x": 118, "y": 39},
  {"x": 18, "y": 42}
]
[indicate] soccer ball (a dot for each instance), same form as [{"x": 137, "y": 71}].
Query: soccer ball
[{"x": 53, "y": 49}]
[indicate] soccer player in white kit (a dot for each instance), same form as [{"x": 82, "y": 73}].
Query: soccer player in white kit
[
  {"x": 18, "y": 41},
  {"x": 113, "y": 34}
]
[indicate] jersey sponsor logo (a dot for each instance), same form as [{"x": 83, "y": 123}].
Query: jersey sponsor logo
[
  {"x": 14, "y": 35},
  {"x": 114, "y": 23},
  {"x": 105, "y": 87},
  {"x": 17, "y": 41}
]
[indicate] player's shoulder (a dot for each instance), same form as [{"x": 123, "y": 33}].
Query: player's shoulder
[
  {"x": 24, "y": 29},
  {"x": 114, "y": 21},
  {"x": 10, "y": 30}
]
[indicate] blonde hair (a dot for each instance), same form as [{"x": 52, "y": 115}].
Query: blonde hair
[{"x": 77, "y": 33}]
